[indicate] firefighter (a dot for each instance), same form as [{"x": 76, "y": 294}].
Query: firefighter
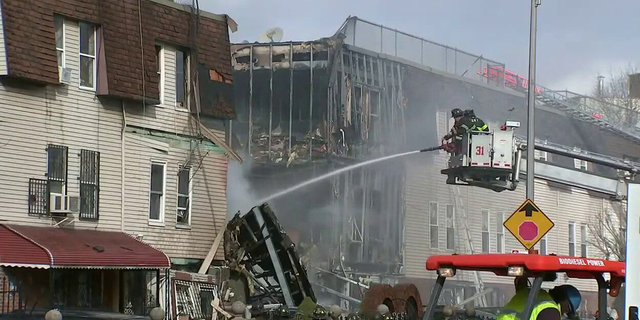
[
  {"x": 568, "y": 299},
  {"x": 457, "y": 114},
  {"x": 473, "y": 123}
]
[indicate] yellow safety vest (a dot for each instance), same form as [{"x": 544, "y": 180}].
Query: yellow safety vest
[{"x": 518, "y": 308}]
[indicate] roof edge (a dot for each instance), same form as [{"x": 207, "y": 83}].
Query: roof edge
[
  {"x": 154, "y": 248},
  {"x": 51, "y": 258}
]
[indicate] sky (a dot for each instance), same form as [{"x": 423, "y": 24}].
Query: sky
[{"x": 577, "y": 39}]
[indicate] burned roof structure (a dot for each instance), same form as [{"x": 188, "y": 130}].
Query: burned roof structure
[{"x": 305, "y": 108}]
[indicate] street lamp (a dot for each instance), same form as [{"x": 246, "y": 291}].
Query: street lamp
[{"x": 531, "y": 95}]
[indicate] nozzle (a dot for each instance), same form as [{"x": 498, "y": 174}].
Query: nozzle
[{"x": 431, "y": 149}]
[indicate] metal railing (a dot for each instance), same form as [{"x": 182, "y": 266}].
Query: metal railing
[
  {"x": 569, "y": 101},
  {"x": 392, "y": 42}
]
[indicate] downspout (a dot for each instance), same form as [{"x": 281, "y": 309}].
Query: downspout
[{"x": 122, "y": 166}]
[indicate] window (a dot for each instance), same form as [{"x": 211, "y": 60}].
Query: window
[
  {"x": 57, "y": 169},
  {"x": 89, "y": 184},
  {"x": 577, "y": 163},
  {"x": 57, "y": 159},
  {"x": 433, "y": 223},
  {"x": 451, "y": 229},
  {"x": 157, "y": 188},
  {"x": 160, "y": 70},
  {"x": 540, "y": 155},
  {"x": 499, "y": 232},
  {"x": 182, "y": 79},
  {"x": 572, "y": 239},
  {"x": 583, "y": 240},
  {"x": 87, "y": 56},
  {"x": 543, "y": 245},
  {"x": 59, "y": 24},
  {"x": 184, "y": 196},
  {"x": 485, "y": 231}
]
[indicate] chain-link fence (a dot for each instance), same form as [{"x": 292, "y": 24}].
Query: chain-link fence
[{"x": 381, "y": 39}]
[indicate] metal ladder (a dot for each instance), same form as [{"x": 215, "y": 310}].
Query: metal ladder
[{"x": 461, "y": 213}]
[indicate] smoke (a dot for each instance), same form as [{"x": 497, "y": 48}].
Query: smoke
[{"x": 240, "y": 195}]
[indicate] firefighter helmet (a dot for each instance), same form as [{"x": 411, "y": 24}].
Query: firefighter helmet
[
  {"x": 469, "y": 112},
  {"x": 457, "y": 112}
]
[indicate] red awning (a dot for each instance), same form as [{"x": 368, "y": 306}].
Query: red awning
[{"x": 50, "y": 247}]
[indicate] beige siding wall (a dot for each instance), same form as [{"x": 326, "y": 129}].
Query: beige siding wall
[
  {"x": 426, "y": 185},
  {"x": 208, "y": 204},
  {"x": 3, "y": 53},
  {"x": 166, "y": 116},
  {"x": 34, "y": 117}
]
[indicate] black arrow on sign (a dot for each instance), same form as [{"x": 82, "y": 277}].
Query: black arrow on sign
[{"x": 528, "y": 209}]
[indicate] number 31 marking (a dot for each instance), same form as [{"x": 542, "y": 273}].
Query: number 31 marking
[{"x": 479, "y": 151}]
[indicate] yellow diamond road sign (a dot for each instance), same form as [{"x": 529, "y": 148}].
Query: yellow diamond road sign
[{"x": 528, "y": 224}]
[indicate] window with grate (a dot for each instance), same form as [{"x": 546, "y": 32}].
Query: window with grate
[
  {"x": 433, "y": 223},
  {"x": 89, "y": 184},
  {"x": 38, "y": 197},
  {"x": 184, "y": 196},
  {"x": 57, "y": 160},
  {"x": 451, "y": 229}
]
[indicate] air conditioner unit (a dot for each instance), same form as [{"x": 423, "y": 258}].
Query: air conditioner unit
[
  {"x": 58, "y": 203},
  {"x": 63, "y": 204},
  {"x": 64, "y": 75}
]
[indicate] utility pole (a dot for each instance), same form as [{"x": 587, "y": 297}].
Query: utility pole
[{"x": 531, "y": 95}]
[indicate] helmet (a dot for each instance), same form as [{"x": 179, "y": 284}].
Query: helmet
[
  {"x": 571, "y": 294},
  {"x": 469, "y": 112},
  {"x": 457, "y": 112},
  {"x": 319, "y": 313}
]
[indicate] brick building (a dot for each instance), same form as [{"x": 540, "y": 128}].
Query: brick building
[{"x": 106, "y": 164}]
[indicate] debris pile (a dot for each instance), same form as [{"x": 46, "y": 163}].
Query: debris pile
[{"x": 279, "y": 149}]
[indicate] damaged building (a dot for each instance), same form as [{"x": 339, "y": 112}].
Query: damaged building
[
  {"x": 113, "y": 158},
  {"x": 307, "y": 108}
]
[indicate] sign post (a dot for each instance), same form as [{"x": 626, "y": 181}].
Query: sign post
[{"x": 528, "y": 224}]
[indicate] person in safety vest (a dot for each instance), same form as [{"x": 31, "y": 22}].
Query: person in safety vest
[
  {"x": 547, "y": 306},
  {"x": 568, "y": 298}
]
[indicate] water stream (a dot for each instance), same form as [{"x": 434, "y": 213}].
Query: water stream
[{"x": 333, "y": 173}]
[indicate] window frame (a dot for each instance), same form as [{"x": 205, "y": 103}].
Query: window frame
[
  {"x": 432, "y": 226},
  {"x": 94, "y": 57},
  {"x": 500, "y": 242},
  {"x": 487, "y": 232},
  {"x": 186, "y": 79},
  {"x": 161, "y": 214},
  {"x": 189, "y": 197},
  {"x": 543, "y": 245},
  {"x": 63, "y": 63},
  {"x": 572, "y": 239},
  {"x": 580, "y": 164},
  {"x": 450, "y": 223},
  {"x": 92, "y": 181},
  {"x": 162, "y": 72},
  {"x": 584, "y": 241},
  {"x": 64, "y": 181}
]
